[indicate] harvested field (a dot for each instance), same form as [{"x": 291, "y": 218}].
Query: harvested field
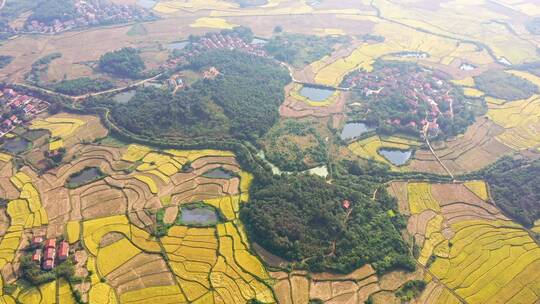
[
  {"x": 471, "y": 242},
  {"x": 474, "y": 150}
]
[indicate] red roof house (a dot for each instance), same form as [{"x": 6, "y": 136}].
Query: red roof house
[
  {"x": 50, "y": 253},
  {"x": 50, "y": 243},
  {"x": 37, "y": 240},
  {"x": 63, "y": 251},
  {"x": 36, "y": 257},
  {"x": 48, "y": 264},
  {"x": 346, "y": 204}
]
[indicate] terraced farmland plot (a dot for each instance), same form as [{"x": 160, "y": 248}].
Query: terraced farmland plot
[{"x": 475, "y": 252}]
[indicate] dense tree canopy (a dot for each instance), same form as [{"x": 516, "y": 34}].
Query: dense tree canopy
[
  {"x": 49, "y": 10},
  {"x": 515, "y": 188},
  {"x": 242, "y": 101},
  {"x": 83, "y": 85},
  {"x": 299, "y": 50},
  {"x": 126, "y": 62},
  {"x": 301, "y": 218},
  {"x": 500, "y": 84}
]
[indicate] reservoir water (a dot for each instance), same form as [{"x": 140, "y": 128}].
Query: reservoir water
[
  {"x": 16, "y": 145},
  {"x": 199, "y": 216},
  {"x": 396, "y": 157},
  {"x": 84, "y": 177},
  {"x": 316, "y": 94},
  {"x": 354, "y": 129}
]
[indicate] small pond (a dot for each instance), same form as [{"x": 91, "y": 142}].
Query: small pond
[
  {"x": 16, "y": 145},
  {"x": 147, "y": 3},
  {"x": 354, "y": 129},
  {"x": 396, "y": 157},
  {"x": 179, "y": 45},
  {"x": 218, "y": 173},
  {"x": 467, "y": 67},
  {"x": 258, "y": 41},
  {"x": 124, "y": 97},
  {"x": 198, "y": 216},
  {"x": 84, "y": 177},
  {"x": 316, "y": 94}
]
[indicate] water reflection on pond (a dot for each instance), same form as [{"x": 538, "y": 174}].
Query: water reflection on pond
[
  {"x": 218, "y": 173},
  {"x": 16, "y": 145},
  {"x": 85, "y": 176},
  {"x": 396, "y": 157},
  {"x": 316, "y": 94},
  {"x": 198, "y": 216},
  {"x": 354, "y": 129}
]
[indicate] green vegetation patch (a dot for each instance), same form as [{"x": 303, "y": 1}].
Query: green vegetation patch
[
  {"x": 295, "y": 145},
  {"x": 410, "y": 290},
  {"x": 515, "y": 188},
  {"x": 83, "y": 85},
  {"x": 126, "y": 62},
  {"x": 242, "y": 101},
  {"x": 49, "y": 10},
  {"x": 302, "y": 218},
  {"x": 299, "y": 50},
  {"x": 502, "y": 85},
  {"x": 5, "y": 60}
]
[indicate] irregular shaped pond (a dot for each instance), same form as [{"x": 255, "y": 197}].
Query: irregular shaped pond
[
  {"x": 354, "y": 129},
  {"x": 177, "y": 45},
  {"x": 316, "y": 94},
  {"x": 396, "y": 157},
  {"x": 258, "y": 41},
  {"x": 218, "y": 173},
  {"x": 87, "y": 175},
  {"x": 198, "y": 216},
  {"x": 124, "y": 97},
  {"x": 16, "y": 145}
]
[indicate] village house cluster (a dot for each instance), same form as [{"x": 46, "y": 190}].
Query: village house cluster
[
  {"x": 17, "y": 107},
  {"x": 49, "y": 254},
  {"x": 229, "y": 41},
  {"x": 415, "y": 86},
  {"x": 91, "y": 13}
]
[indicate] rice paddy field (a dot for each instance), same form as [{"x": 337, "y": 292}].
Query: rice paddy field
[
  {"x": 474, "y": 254},
  {"x": 124, "y": 229}
]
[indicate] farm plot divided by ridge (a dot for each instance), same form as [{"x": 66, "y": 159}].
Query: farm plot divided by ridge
[
  {"x": 114, "y": 219},
  {"x": 468, "y": 245}
]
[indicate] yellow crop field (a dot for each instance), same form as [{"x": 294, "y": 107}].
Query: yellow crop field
[
  {"x": 521, "y": 120},
  {"x": 434, "y": 240},
  {"x": 48, "y": 292},
  {"x": 5, "y": 157},
  {"x": 143, "y": 240},
  {"x": 135, "y": 153},
  {"x": 102, "y": 293},
  {"x": 73, "y": 230},
  {"x": 65, "y": 295},
  {"x": 479, "y": 188},
  {"x": 55, "y": 145},
  {"x": 62, "y": 127},
  {"x": 208, "y": 22},
  {"x": 113, "y": 256},
  {"x": 420, "y": 198},
  {"x": 369, "y": 148},
  {"x": 94, "y": 230},
  {"x": 161, "y": 294},
  {"x": 149, "y": 182},
  {"x": 528, "y": 76},
  {"x": 169, "y": 7},
  {"x": 465, "y": 82},
  {"x": 486, "y": 256},
  {"x": 228, "y": 205},
  {"x": 471, "y": 92},
  {"x": 30, "y": 296}
]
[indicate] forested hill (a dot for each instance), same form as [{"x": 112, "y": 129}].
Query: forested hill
[
  {"x": 241, "y": 102},
  {"x": 515, "y": 188},
  {"x": 302, "y": 218}
]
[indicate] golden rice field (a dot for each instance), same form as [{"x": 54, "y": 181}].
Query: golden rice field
[
  {"x": 62, "y": 127},
  {"x": 481, "y": 258},
  {"x": 218, "y": 23},
  {"x": 521, "y": 121}
]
